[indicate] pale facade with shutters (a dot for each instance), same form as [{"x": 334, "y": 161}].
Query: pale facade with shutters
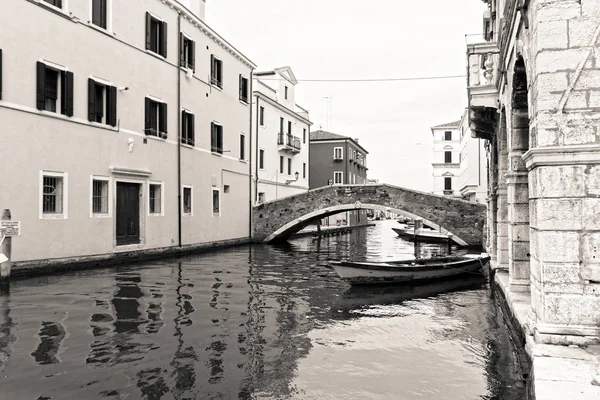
[
  {"x": 121, "y": 132},
  {"x": 280, "y": 134},
  {"x": 445, "y": 162}
]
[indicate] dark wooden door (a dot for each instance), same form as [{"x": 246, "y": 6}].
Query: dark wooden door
[{"x": 128, "y": 213}]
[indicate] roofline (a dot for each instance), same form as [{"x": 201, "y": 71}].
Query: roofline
[
  {"x": 282, "y": 108},
  {"x": 211, "y": 33},
  {"x": 343, "y": 139}
]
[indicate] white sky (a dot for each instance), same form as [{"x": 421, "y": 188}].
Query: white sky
[{"x": 349, "y": 39}]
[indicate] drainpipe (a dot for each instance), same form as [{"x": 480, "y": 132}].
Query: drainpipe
[
  {"x": 179, "y": 216},
  {"x": 256, "y": 149},
  {"x": 250, "y": 199}
]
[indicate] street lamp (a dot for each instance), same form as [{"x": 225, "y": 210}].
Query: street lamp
[{"x": 292, "y": 180}]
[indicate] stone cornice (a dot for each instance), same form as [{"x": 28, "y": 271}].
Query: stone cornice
[
  {"x": 562, "y": 155},
  {"x": 208, "y": 31}
]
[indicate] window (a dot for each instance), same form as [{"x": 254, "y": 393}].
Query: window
[
  {"x": 102, "y": 103},
  {"x": 55, "y": 3},
  {"x": 216, "y": 203},
  {"x": 155, "y": 198},
  {"x": 281, "y": 164},
  {"x": 448, "y": 135},
  {"x": 338, "y": 153},
  {"x": 304, "y": 135},
  {"x": 54, "y": 87},
  {"x": 289, "y": 166},
  {"x": 53, "y": 199},
  {"x": 261, "y": 159},
  {"x": 289, "y": 127},
  {"x": 244, "y": 89},
  {"x": 187, "y": 50},
  {"x": 304, "y": 170},
  {"x": 242, "y": 147},
  {"x": 216, "y": 138},
  {"x": 156, "y": 35},
  {"x": 187, "y": 200},
  {"x": 216, "y": 72},
  {"x": 156, "y": 118},
  {"x": 261, "y": 197},
  {"x": 99, "y": 13},
  {"x": 261, "y": 116},
  {"x": 281, "y": 122},
  {"x": 286, "y": 92},
  {"x": 448, "y": 157},
  {"x": 99, "y": 196},
  {"x": 448, "y": 183},
  {"x": 338, "y": 178},
  {"x": 187, "y": 128}
]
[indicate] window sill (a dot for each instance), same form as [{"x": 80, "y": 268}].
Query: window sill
[
  {"x": 244, "y": 102},
  {"x": 157, "y": 55},
  {"x": 187, "y": 214},
  {"x": 243, "y": 161},
  {"x": 100, "y": 29},
  {"x": 158, "y": 138},
  {"x": 53, "y": 216},
  {"x": 101, "y": 216},
  {"x": 216, "y": 215},
  {"x": 156, "y": 215},
  {"x": 187, "y": 70},
  {"x": 60, "y": 11},
  {"x": 216, "y": 87},
  {"x": 188, "y": 146},
  {"x": 214, "y": 153}
]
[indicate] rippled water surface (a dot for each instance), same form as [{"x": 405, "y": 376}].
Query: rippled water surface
[{"x": 255, "y": 322}]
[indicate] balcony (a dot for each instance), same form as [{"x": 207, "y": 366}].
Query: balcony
[
  {"x": 482, "y": 78},
  {"x": 287, "y": 142}
]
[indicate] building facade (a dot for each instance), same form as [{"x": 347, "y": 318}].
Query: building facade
[
  {"x": 534, "y": 94},
  {"x": 280, "y": 131},
  {"x": 472, "y": 176},
  {"x": 446, "y": 162},
  {"x": 338, "y": 160},
  {"x": 130, "y": 133}
]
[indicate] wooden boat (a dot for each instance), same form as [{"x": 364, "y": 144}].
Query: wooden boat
[
  {"x": 422, "y": 235},
  {"x": 407, "y": 271}
]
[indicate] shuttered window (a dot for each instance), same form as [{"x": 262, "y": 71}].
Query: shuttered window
[
  {"x": 447, "y": 183},
  {"x": 216, "y": 72},
  {"x": 187, "y": 50},
  {"x": 187, "y": 128},
  {"x": 216, "y": 138},
  {"x": 54, "y": 87},
  {"x": 244, "y": 89},
  {"x": 102, "y": 103},
  {"x": 156, "y": 35},
  {"x": 99, "y": 13},
  {"x": 155, "y": 118},
  {"x": 448, "y": 157},
  {"x": 242, "y": 147}
]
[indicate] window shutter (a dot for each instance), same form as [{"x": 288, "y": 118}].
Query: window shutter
[
  {"x": 241, "y": 88},
  {"x": 59, "y": 3},
  {"x": 111, "y": 105},
  {"x": 91, "y": 99},
  {"x": 148, "y": 27},
  {"x": 191, "y": 130},
  {"x": 181, "y": 51},
  {"x": 220, "y": 139},
  {"x": 163, "y": 50},
  {"x": 163, "y": 118},
  {"x": 183, "y": 133},
  {"x": 148, "y": 122},
  {"x": 212, "y": 68},
  {"x": 41, "y": 85},
  {"x": 193, "y": 55},
  {"x": 0, "y": 74},
  {"x": 67, "y": 94}
]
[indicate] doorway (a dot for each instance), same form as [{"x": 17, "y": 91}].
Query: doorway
[{"x": 128, "y": 213}]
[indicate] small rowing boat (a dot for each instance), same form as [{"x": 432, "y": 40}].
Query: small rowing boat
[{"x": 407, "y": 271}]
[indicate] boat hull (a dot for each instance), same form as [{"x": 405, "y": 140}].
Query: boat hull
[{"x": 387, "y": 273}]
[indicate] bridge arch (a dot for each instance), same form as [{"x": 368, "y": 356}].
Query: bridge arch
[{"x": 280, "y": 219}]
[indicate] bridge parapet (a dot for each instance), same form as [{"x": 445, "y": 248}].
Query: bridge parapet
[{"x": 279, "y": 219}]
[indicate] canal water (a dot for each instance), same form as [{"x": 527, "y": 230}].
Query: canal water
[{"x": 255, "y": 322}]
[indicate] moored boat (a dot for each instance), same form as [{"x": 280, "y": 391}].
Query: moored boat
[
  {"x": 422, "y": 235},
  {"x": 407, "y": 271}
]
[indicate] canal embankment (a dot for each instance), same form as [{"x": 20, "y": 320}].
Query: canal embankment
[{"x": 557, "y": 372}]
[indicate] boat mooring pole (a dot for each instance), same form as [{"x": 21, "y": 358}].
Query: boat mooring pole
[{"x": 6, "y": 249}]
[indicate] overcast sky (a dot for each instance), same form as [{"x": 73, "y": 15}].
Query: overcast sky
[{"x": 351, "y": 39}]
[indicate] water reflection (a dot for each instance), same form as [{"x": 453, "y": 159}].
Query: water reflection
[{"x": 255, "y": 322}]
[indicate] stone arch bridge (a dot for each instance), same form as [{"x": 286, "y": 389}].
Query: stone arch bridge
[{"x": 279, "y": 219}]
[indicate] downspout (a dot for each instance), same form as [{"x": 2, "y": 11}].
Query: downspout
[
  {"x": 257, "y": 149},
  {"x": 250, "y": 199},
  {"x": 179, "y": 216}
]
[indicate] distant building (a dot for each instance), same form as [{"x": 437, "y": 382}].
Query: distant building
[
  {"x": 472, "y": 178},
  {"x": 280, "y": 131},
  {"x": 338, "y": 160},
  {"x": 446, "y": 159}
]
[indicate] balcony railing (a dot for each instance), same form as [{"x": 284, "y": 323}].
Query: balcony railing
[{"x": 288, "y": 142}]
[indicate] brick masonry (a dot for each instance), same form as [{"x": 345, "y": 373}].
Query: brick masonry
[{"x": 464, "y": 219}]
